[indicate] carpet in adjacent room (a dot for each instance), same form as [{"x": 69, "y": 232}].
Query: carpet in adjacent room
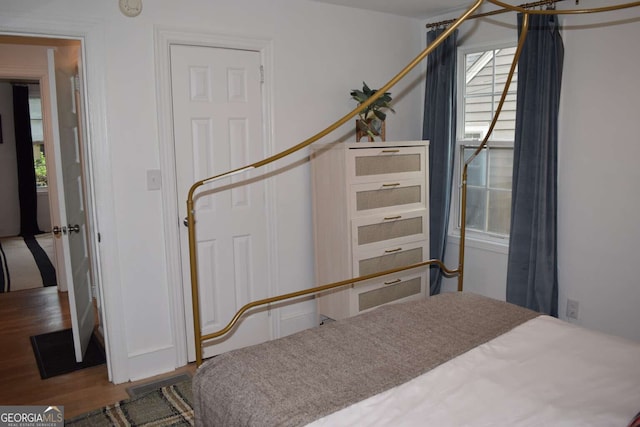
[{"x": 26, "y": 262}]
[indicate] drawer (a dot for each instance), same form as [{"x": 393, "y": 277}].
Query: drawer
[
  {"x": 392, "y": 290},
  {"x": 375, "y": 197},
  {"x": 383, "y": 163},
  {"x": 375, "y": 261},
  {"x": 379, "y": 231}
]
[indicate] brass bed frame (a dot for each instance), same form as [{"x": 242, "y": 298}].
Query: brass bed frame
[{"x": 459, "y": 271}]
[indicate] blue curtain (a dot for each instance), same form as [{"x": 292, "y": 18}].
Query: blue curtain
[
  {"x": 532, "y": 273},
  {"x": 439, "y": 127}
]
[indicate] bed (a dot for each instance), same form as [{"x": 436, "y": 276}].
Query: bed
[{"x": 449, "y": 360}]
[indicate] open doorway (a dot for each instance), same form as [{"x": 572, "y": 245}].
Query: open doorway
[
  {"x": 26, "y": 243},
  {"x": 27, "y": 61}
]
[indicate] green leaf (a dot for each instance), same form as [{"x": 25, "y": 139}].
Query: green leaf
[
  {"x": 358, "y": 95},
  {"x": 383, "y": 101},
  {"x": 379, "y": 114}
]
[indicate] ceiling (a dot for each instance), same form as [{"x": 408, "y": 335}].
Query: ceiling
[{"x": 413, "y": 8}]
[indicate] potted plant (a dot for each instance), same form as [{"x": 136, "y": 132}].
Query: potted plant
[{"x": 371, "y": 121}]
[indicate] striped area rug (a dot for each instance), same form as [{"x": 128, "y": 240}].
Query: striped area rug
[
  {"x": 26, "y": 262},
  {"x": 166, "y": 406}
]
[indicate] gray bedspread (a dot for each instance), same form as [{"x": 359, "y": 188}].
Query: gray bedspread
[{"x": 299, "y": 378}]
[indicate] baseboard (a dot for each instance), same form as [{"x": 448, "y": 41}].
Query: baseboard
[
  {"x": 152, "y": 362},
  {"x": 296, "y": 322}
]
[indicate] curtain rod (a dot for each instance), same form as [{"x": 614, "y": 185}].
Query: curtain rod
[{"x": 495, "y": 12}]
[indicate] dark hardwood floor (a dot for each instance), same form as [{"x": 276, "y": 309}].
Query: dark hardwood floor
[{"x": 37, "y": 311}]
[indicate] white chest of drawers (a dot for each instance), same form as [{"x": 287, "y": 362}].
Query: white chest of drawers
[{"x": 371, "y": 213}]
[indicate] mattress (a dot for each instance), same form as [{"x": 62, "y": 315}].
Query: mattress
[
  {"x": 545, "y": 372},
  {"x": 304, "y": 377}
]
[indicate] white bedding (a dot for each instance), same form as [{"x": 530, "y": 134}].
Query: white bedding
[{"x": 545, "y": 372}]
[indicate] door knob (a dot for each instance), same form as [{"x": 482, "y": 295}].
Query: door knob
[
  {"x": 73, "y": 228},
  {"x": 57, "y": 230}
]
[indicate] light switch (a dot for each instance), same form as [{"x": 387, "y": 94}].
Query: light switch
[{"x": 154, "y": 179}]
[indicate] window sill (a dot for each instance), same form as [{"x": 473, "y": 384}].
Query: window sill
[{"x": 486, "y": 243}]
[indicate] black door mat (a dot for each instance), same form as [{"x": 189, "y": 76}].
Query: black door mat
[{"x": 55, "y": 354}]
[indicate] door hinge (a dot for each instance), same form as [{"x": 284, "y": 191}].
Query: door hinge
[
  {"x": 99, "y": 238},
  {"x": 262, "y": 74}
]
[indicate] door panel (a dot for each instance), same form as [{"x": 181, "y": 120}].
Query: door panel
[
  {"x": 70, "y": 192},
  {"x": 217, "y": 118}
]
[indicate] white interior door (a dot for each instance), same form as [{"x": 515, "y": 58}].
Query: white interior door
[
  {"x": 70, "y": 193},
  {"x": 217, "y": 118}
]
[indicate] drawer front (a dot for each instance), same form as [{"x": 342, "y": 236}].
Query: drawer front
[
  {"x": 375, "y": 164},
  {"x": 383, "y": 196},
  {"x": 371, "y": 262},
  {"x": 385, "y": 230},
  {"x": 368, "y": 296}
]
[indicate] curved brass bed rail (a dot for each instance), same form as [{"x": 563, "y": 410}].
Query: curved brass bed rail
[
  {"x": 190, "y": 203},
  {"x": 459, "y": 271},
  {"x": 317, "y": 290},
  {"x": 565, "y": 11}
]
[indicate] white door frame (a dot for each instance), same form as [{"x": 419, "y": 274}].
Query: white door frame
[
  {"x": 99, "y": 176},
  {"x": 164, "y": 38}
]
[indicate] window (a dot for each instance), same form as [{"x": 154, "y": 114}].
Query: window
[
  {"x": 489, "y": 189},
  {"x": 37, "y": 136},
  {"x": 482, "y": 74}
]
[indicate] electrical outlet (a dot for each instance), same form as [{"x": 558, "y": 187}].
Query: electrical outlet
[{"x": 572, "y": 309}]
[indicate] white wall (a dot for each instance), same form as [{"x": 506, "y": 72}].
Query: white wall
[
  {"x": 321, "y": 52},
  {"x": 598, "y": 238},
  {"x": 599, "y": 150}
]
